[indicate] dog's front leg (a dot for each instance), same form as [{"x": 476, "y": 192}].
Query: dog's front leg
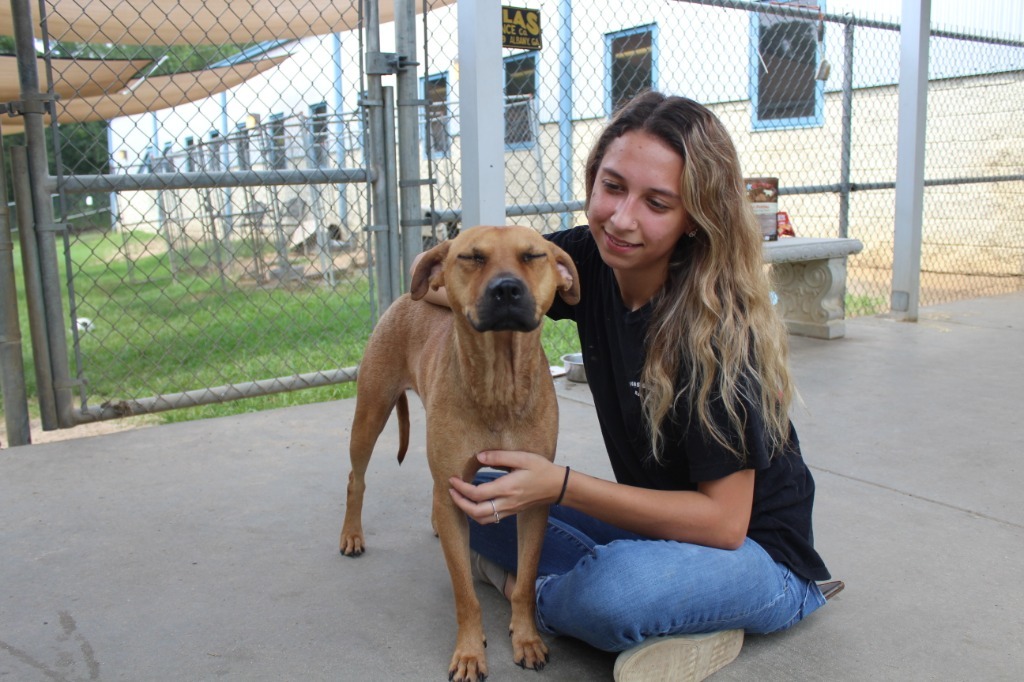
[
  {"x": 469, "y": 662},
  {"x": 528, "y": 649}
]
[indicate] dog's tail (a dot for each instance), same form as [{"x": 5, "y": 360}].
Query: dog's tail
[{"x": 402, "y": 407}]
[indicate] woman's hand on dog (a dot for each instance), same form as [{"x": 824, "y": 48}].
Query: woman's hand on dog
[{"x": 531, "y": 480}]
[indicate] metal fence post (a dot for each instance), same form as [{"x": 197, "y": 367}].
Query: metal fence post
[
  {"x": 847, "y": 134},
  {"x": 912, "y": 124},
  {"x": 407, "y": 93},
  {"x": 565, "y": 147},
  {"x": 390, "y": 182},
  {"x": 12, "y": 362},
  {"x": 481, "y": 114},
  {"x": 34, "y": 298},
  {"x": 33, "y": 107},
  {"x": 377, "y": 147}
]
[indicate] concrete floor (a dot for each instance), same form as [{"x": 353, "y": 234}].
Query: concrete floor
[{"x": 208, "y": 550}]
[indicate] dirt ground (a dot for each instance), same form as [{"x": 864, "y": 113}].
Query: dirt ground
[{"x": 82, "y": 431}]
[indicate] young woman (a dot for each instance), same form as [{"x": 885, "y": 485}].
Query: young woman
[{"x": 707, "y": 526}]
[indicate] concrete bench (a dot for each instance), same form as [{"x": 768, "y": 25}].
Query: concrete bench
[{"x": 810, "y": 280}]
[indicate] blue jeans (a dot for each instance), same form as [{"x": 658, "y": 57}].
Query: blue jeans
[{"x": 613, "y": 589}]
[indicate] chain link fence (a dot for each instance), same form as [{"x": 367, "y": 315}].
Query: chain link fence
[{"x": 237, "y": 189}]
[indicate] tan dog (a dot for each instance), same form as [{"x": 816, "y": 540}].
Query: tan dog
[{"x": 485, "y": 384}]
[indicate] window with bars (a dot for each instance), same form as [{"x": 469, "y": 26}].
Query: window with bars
[
  {"x": 520, "y": 90},
  {"x": 438, "y": 137}
]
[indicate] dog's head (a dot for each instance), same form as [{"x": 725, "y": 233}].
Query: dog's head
[{"x": 498, "y": 278}]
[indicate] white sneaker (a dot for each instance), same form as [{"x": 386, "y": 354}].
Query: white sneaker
[{"x": 678, "y": 658}]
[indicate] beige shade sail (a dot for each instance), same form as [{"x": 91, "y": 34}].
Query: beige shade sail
[
  {"x": 198, "y": 22},
  {"x": 152, "y": 94},
  {"x": 71, "y": 77}
]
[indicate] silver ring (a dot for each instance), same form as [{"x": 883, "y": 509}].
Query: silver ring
[{"x": 497, "y": 517}]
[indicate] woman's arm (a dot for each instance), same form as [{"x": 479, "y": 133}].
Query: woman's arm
[{"x": 715, "y": 515}]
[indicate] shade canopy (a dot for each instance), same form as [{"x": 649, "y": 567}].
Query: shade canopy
[
  {"x": 72, "y": 77},
  {"x": 152, "y": 94},
  {"x": 198, "y": 22}
]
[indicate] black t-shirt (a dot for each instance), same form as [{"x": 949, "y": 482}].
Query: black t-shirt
[{"x": 613, "y": 343}]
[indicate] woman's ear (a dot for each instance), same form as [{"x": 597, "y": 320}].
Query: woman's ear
[{"x": 428, "y": 270}]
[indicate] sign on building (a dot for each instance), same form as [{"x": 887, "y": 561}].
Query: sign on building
[{"x": 520, "y": 28}]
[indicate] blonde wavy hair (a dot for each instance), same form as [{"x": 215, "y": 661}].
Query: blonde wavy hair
[{"x": 715, "y": 340}]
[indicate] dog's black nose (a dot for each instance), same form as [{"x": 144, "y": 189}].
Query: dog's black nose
[
  {"x": 507, "y": 290},
  {"x": 506, "y": 305}
]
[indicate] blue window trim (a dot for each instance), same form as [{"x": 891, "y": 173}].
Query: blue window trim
[
  {"x": 434, "y": 153},
  {"x": 816, "y": 120},
  {"x": 608, "y": 59},
  {"x": 521, "y": 146}
]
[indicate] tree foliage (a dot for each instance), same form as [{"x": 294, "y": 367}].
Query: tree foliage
[{"x": 83, "y": 146}]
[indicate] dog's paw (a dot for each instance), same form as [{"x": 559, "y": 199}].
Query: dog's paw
[
  {"x": 352, "y": 544},
  {"x": 468, "y": 667},
  {"x": 529, "y": 653}
]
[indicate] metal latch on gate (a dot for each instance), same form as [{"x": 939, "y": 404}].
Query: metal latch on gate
[{"x": 386, "y": 63}]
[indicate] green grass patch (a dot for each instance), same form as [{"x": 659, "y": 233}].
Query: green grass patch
[
  {"x": 174, "y": 322},
  {"x": 862, "y": 306}
]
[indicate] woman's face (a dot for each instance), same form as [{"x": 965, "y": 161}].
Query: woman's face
[{"x": 636, "y": 214}]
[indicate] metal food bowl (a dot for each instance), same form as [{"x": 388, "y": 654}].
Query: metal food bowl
[{"x": 574, "y": 370}]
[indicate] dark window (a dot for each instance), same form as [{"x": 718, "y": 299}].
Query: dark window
[
  {"x": 214, "y": 150},
  {"x": 438, "y": 138},
  {"x": 278, "y": 143},
  {"x": 318, "y": 135},
  {"x": 242, "y": 146},
  {"x": 190, "y": 154},
  {"x": 785, "y": 91},
  {"x": 632, "y": 64},
  {"x": 520, "y": 90}
]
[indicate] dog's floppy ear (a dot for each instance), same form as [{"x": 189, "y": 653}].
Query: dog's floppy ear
[
  {"x": 569, "y": 288},
  {"x": 428, "y": 271}
]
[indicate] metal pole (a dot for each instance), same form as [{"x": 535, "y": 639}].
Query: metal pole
[
  {"x": 407, "y": 89},
  {"x": 847, "y": 132},
  {"x": 565, "y": 149},
  {"x": 12, "y": 362},
  {"x": 133, "y": 182},
  {"x": 33, "y": 289},
  {"x": 339, "y": 124},
  {"x": 33, "y": 107},
  {"x": 117, "y": 409},
  {"x": 910, "y": 151},
  {"x": 481, "y": 113},
  {"x": 391, "y": 191},
  {"x": 374, "y": 100}
]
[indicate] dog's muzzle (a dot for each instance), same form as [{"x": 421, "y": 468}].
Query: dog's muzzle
[{"x": 506, "y": 305}]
